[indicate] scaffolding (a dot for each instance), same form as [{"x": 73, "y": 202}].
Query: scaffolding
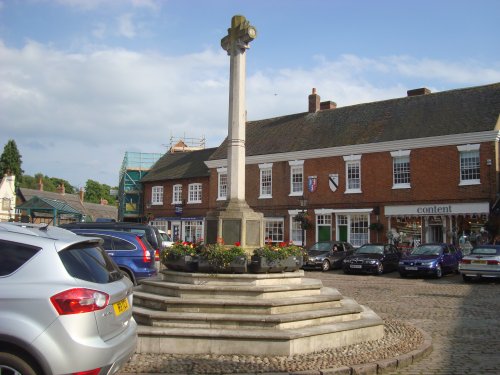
[{"x": 134, "y": 167}]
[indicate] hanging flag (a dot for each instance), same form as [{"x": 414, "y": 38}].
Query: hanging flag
[
  {"x": 312, "y": 183},
  {"x": 333, "y": 182}
]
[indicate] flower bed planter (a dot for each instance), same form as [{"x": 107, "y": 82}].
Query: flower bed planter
[
  {"x": 260, "y": 264},
  {"x": 237, "y": 265},
  {"x": 186, "y": 263}
]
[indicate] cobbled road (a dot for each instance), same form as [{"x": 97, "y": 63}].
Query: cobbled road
[{"x": 463, "y": 319}]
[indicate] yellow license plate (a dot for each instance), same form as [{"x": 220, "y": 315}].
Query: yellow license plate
[
  {"x": 121, "y": 306},
  {"x": 478, "y": 261}
]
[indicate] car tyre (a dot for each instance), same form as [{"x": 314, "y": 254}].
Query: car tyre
[
  {"x": 12, "y": 364},
  {"x": 439, "y": 272},
  {"x": 129, "y": 276},
  {"x": 325, "y": 266},
  {"x": 379, "y": 270},
  {"x": 466, "y": 278}
]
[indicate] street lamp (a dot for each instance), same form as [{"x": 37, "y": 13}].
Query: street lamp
[{"x": 303, "y": 204}]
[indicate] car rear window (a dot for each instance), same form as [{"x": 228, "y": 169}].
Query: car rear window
[
  {"x": 485, "y": 251},
  {"x": 90, "y": 263},
  {"x": 13, "y": 255}
]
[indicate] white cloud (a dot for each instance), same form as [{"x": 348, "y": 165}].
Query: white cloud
[
  {"x": 74, "y": 116},
  {"x": 126, "y": 26}
]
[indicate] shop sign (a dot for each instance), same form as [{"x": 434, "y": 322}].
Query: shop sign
[{"x": 438, "y": 209}]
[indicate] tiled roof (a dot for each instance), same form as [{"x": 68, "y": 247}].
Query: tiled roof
[
  {"x": 178, "y": 165},
  {"x": 93, "y": 210},
  {"x": 458, "y": 111}
]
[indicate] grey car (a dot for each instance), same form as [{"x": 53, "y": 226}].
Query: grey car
[
  {"x": 65, "y": 307},
  {"x": 326, "y": 255}
]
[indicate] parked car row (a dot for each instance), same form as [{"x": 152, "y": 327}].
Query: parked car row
[
  {"x": 66, "y": 307},
  {"x": 430, "y": 259}
]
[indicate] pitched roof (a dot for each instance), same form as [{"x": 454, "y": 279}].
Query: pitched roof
[
  {"x": 93, "y": 210},
  {"x": 178, "y": 165},
  {"x": 458, "y": 111}
]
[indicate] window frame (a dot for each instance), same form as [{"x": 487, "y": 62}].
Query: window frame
[
  {"x": 221, "y": 188},
  {"x": 157, "y": 195},
  {"x": 276, "y": 237},
  {"x": 177, "y": 194},
  {"x": 296, "y": 169},
  {"x": 403, "y": 174},
  {"x": 195, "y": 193},
  {"x": 266, "y": 181},
  {"x": 475, "y": 171},
  {"x": 352, "y": 161}
]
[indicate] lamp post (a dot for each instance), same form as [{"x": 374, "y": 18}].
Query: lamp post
[{"x": 303, "y": 204}]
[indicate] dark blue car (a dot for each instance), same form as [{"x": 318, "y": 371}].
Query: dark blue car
[
  {"x": 430, "y": 259},
  {"x": 133, "y": 254}
]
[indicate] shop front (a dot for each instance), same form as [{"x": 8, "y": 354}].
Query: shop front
[
  {"x": 189, "y": 229},
  {"x": 462, "y": 224}
]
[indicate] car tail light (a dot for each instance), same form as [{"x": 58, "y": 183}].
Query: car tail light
[
  {"x": 492, "y": 262},
  {"x": 146, "y": 256},
  {"x": 465, "y": 261},
  {"x": 88, "y": 372},
  {"x": 79, "y": 300},
  {"x": 157, "y": 255}
]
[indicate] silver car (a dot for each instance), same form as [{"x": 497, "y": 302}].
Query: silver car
[
  {"x": 483, "y": 261},
  {"x": 65, "y": 307}
]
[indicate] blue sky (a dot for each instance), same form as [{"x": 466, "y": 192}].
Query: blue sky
[{"x": 84, "y": 81}]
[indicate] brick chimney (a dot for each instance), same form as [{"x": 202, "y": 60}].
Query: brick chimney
[
  {"x": 314, "y": 102},
  {"x": 81, "y": 194},
  {"x": 61, "y": 189},
  {"x": 40, "y": 184},
  {"x": 327, "y": 105},
  {"x": 417, "y": 92}
]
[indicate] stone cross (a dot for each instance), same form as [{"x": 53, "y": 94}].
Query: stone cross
[{"x": 236, "y": 43}]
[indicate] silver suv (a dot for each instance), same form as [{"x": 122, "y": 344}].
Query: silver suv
[{"x": 65, "y": 307}]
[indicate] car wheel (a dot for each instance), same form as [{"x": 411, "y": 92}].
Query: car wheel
[
  {"x": 380, "y": 269},
  {"x": 325, "y": 266},
  {"x": 466, "y": 278},
  {"x": 12, "y": 364},
  {"x": 128, "y": 276},
  {"x": 439, "y": 272}
]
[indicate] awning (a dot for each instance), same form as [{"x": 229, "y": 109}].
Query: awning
[
  {"x": 477, "y": 208},
  {"x": 51, "y": 206}
]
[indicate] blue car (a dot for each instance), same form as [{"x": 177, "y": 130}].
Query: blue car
[
  {"x": 133, "y": 254},
  {"x": 430, "y": 259}
]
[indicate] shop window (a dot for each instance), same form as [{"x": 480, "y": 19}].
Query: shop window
[{"x": 274, "y": 230}]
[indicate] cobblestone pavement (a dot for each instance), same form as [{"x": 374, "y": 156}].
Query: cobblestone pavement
[{"x": 462, "y": 319}]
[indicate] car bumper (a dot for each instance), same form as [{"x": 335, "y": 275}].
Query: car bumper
[
  {"x": 417, "y": 270},
  {"x": 80, "y": 348},
  {"x": 316, "y": 264},
  {"x": 364, "y": 268},
  {"x": 479, "y": 272}
]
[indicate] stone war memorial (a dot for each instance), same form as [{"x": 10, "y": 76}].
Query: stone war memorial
[{"x": 272, "y": 314}]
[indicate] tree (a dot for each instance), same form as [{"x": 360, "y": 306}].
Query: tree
[
  {"x": 94, "y": 192},
  {"x": 10, "y": 161}
]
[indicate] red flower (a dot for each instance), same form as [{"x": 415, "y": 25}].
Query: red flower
[{"x": 237, "y": 244}]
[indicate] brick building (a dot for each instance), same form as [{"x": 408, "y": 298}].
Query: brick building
[{"x": 420, "y": 168}]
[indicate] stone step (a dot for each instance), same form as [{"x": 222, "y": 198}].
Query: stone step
[
  {"x": 287, "y": 342},
  {"x": 307, "y": 287},
  {"x": 349, "y": 310},
  {"x": 231, "y": 279},
  {"x": 328, "y": 299}
]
